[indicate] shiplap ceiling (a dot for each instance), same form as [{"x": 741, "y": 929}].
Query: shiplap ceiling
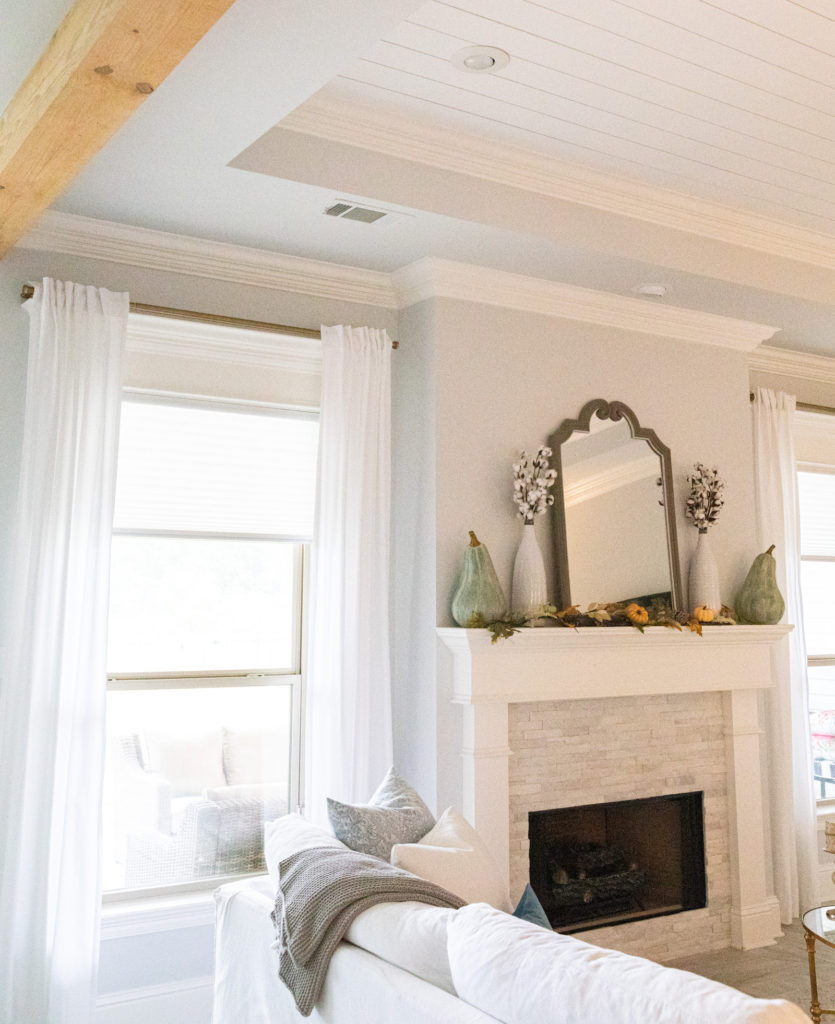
[
  {"x": 687, "y": 142},
  {"x": 731, "y": 100}
]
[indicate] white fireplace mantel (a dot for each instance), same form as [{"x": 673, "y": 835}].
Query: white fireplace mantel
[{"x": 556, "y": 664}]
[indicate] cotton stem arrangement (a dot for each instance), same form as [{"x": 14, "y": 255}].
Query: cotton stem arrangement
[
  {"x": 532, "y": 480},
  {"x": 707, "y": 496}
]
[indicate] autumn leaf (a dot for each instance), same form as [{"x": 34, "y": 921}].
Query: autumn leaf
[{"x": 501, "y": 630}]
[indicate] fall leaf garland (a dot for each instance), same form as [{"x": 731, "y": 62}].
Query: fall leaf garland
[{"x": 596, "y": 614}]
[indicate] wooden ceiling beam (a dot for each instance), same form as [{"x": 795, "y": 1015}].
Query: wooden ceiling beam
[{"x": 105, "y": 59}]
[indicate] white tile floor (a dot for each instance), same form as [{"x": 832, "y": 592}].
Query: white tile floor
[{"x": 780, "y": 971}]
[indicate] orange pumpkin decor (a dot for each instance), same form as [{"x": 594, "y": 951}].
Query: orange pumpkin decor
[
  {"x": 704, "y": 614},
  {"x": 637, "y": 614}
]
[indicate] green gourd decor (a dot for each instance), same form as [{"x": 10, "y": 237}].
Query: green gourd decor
[
  {"x": 760, "y": 603},
  {"x": 479, "y": 592}
]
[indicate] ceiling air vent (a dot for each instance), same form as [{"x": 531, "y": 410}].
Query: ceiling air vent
[{"x": 350, "y": 211}]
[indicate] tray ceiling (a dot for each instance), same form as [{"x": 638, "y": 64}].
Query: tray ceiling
[
  {"x": 733, "y": 100},
  {"x": 661, "y": 104}
]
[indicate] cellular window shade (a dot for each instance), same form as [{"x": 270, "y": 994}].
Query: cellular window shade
[
  {"x": 203, "y": 469},
  {"x": 817, "y": 514}
]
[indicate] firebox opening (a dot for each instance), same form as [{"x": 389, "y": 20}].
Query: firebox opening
[{"x": 603, "y": 864}]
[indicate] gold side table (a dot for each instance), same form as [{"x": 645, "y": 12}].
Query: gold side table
[{"x": 818, "y": 926}]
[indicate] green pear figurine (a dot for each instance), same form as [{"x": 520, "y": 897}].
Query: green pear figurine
[
  {"x": 479, "y": 591},
  {"x": 760, "y": 602}
]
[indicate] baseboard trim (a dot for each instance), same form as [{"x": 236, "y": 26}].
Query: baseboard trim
[
  {"x": 170, "y": 988},
  {"x": 756, "y": 926}
]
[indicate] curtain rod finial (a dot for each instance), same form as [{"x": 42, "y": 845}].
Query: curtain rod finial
[{"x": 27, "y": 291}]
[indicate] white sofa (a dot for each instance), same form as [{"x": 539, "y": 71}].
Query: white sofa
[{"x": 412, "y": 964}]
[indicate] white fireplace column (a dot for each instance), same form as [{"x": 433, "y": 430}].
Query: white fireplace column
[{"x": 553, "y": 664}]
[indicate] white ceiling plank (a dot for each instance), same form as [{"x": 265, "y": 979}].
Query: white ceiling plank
[
  {"x": 797, "y": 21},
  {"x": 569, "y": 73},
  {"x": 672, "y": 21},
  {"x": 634, "y": 150},
  {"x": 790, "y": 70},
  {"x": 540, "y": 90},
  {"x": 526, "y": 25}
]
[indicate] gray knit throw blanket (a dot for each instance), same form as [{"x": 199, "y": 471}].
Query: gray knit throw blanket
[{"x": 321, "y": 891}]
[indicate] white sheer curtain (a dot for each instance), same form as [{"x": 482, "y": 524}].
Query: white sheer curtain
[
  {"x": 792, "y": 801},
  {"x": 53, "y": 682},
  {"x": 348, "y": 732}
]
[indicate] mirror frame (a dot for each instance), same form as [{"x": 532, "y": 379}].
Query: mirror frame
[{"x": 610, "y": 411}]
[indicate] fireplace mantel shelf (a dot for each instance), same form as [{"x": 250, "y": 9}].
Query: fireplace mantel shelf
[{"x": 552, "y": 663}]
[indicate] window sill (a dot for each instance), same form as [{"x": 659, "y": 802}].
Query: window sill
[
  {"x": 825, "y": 808},
  {"x": 143, "y": 915}
]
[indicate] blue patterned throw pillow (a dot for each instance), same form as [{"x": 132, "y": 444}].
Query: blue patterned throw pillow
[
  {"x": 394, "y": 814},
  {"x": 530, "y": 909}
]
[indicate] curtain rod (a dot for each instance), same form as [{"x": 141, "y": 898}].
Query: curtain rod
[
  {"x": 825, "y": 410},
  {"x": 28, "y": 290}
]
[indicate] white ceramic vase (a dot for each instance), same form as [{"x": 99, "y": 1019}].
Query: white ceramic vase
[
  {"x": 529, "y": 591},
  {"x": 703, "y": 578}
]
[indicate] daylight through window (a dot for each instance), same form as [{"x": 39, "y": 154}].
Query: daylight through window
[{"x": 214, "y": 508}]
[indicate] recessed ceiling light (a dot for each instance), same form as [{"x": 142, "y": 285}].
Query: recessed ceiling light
[
  {"x": 480, "y": 59},
  {"x": 653, "y": 291}
]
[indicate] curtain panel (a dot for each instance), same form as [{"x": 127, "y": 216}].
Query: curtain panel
[
  {"x": 52, "y": 701},
  {"x": 791, "y": 793},
  {"x": 348, "y": 729}
]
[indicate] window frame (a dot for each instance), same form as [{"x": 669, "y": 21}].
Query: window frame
[
  {"x": 294, "y": 677},
  {"x": 824, "y": 804}
]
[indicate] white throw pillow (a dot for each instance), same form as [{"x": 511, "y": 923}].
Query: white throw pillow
[
  {"x": 518, "y": 972},
  {"x": 190, "y": 762},
  {"x": 454, "y": 856},
  {"x": 288, "y": 835},
  {"x": 409, "y": 935}
]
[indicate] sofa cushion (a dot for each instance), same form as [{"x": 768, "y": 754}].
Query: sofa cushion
[
  {"x": 288, "y": 835},
  {"x": 520, "y": 973},
  {"x": 409, "y": 935},
  {"x": 454, "y": 856},
  {"x": 394, "y": 814}
]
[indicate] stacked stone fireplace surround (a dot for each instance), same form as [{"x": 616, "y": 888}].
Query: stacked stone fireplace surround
[
  {"x": 557, "y": 718},
  {"x": 573, "y": 753}
]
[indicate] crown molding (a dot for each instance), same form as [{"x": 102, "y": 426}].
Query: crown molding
[
  {"x": 424, "y": 279},
  {"x": 801, "y": 365},
  {"x": 355, "y": 124},
  {"x": 217, "y": 343},
  {"x": 221, "y": 261},
  {"x": 432, "y": 278}
]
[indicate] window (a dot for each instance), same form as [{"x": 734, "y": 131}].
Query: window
[
  {"x": 815, "y": 441},
  {"x": 214, "y": 508}
]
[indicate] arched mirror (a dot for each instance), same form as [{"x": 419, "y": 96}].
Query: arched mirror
[{"x": 614, "y": 521}]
